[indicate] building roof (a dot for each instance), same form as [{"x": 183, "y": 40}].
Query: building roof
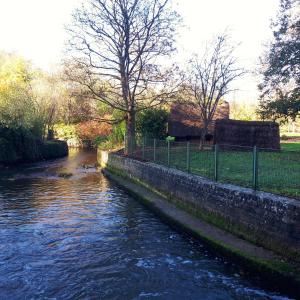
[{"x": 185, "y": 119}]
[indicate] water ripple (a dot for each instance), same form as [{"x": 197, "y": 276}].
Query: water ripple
[{"x": 84, "y": 238}]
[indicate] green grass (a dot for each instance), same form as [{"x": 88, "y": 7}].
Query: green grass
[
  {"x": 278, "y": 171},
  {"x": 290, "y": 146}
]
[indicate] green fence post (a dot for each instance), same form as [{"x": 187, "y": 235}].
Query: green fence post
[
  {"x": 216, "y": 162},
  {"x": 255, "y": 168},
  {"x": 143, "y": 155},
  {"x": 188, "y": 157},
  {"x": 154, "y": 150},
  {"x": 168, "y": 153}
]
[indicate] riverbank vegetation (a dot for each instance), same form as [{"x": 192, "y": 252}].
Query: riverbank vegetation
[
  {"x": 24, "y": 116},
  {"x": 36, "y": 108},
  {"x": 103, "y": 98}
]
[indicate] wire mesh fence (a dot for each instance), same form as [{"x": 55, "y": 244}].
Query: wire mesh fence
[
  {"x": 236, "y": 165},
  {"x": 279, "y": 171},
  {"x": 270, "y": 170}
]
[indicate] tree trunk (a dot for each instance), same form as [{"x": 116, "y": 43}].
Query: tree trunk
[
  {"x": 204, "y": 131},
  {"x": 130, "y": 139}
]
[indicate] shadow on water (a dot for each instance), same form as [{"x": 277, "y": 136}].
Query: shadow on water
[{"x": 81, "y": 236}]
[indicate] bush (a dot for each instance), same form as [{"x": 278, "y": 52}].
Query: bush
[
  {"x": 90, "y": 130},
  {"x": 30, "y": 146},
  {"x": 99, "y": 140},
  {"x": 7, "y": 152},
  {"x": 152, "y": 123},
  {"x": 67, "y": 133},
  {"x": 54, "y": 149},
  {"x": 20, "y": 145},
  {"x": 115, "y": 139},
  {"x": 170, "y": 138},
  {"x": 88, "y": 133}
]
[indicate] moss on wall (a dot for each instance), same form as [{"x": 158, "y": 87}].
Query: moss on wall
[{"x": 277, "y": 271}]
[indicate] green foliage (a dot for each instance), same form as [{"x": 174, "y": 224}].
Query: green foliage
[
  {"x": 152, "y": 123},
  {"x": 99, "y": 140},
  {"x": 89, "y": 133},
  {"x": 67, "y": 133},
  {"x": 280, "y": 89},
  {"x": 240, "y": 110},
  {"x": 21, "y": 145},
  {"x": 17, "y": 107},
  {"x": 170, "y": 138},
  {"x": 118, "y": 133},
  {"x": 54, "y": 149},
  {"x": 115, "y": 139},
  {"x": 7, "y": 151},
  {"x": 284, "y": 137},
  {"x": 18, "y": 144}
]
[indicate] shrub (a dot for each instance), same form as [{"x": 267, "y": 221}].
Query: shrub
[
  {"x": 115, "y": 139},
  {"x": 67, "y": 133},
  {"x": 170, "y": 138},
  {"x": 87, "y": 133},
  {"x": 152, "y": 123},
  {"x": 20, "y": 145},
  {"x": 7, "y": 152},
  {"x": 30, "y": 146},
  {"x": 54, "y": 149},
  {"x": 99, "y": 139},
  {"x": 90, "y": 130}
]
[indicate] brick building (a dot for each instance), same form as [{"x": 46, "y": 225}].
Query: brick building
[{"x": 185, "y": 122}]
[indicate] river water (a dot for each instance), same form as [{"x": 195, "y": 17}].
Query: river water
[{"x": 82, "y": 237}]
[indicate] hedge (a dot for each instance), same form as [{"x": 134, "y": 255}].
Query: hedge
[
  {"x": 20, "y": 145},
  {"x": 54, "y": 149}
]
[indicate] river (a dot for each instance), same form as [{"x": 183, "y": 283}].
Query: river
[{"x": 83, "y": 237}]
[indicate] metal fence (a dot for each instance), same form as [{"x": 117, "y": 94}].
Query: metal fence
[{"x": 276, "y": 171}]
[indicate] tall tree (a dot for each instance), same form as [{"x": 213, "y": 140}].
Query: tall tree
[
  {"x": 119, "y": 47},
  {"x": 210, "y": 78},
  {"x": 17, "y": 107},
  {"x": 280, "y": 89}
]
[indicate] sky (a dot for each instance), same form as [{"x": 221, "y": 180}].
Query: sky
[{"x": 35, "y": 29}]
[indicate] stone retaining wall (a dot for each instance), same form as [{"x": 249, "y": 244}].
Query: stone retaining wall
[{"x": 265, "y": 219}]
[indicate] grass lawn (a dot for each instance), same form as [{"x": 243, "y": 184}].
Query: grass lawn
[
  {"x": 290, "y": 146},
  {"x": 278, "y": 171}
]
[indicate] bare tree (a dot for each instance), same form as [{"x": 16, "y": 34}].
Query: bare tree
[
  {"x": 210, "y": 79},
  {"x": 118, "y": 46}
]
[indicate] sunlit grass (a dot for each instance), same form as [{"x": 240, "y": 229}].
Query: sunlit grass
[{"x": 278, "y": 171}]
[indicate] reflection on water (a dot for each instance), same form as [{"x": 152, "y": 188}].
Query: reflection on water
[{"x": 83, "y": 237}]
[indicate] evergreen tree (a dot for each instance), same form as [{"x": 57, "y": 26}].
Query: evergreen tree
[{"x": 280, "y": 89}]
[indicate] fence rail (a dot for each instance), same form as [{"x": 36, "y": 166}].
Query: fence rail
[{"x": 276, "y": 171}]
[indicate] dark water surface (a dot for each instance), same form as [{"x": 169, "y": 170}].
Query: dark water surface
[{"x": 84, "y": 238}]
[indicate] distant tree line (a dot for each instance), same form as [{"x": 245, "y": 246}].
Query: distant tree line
[{"x": 118, "y": 71}]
